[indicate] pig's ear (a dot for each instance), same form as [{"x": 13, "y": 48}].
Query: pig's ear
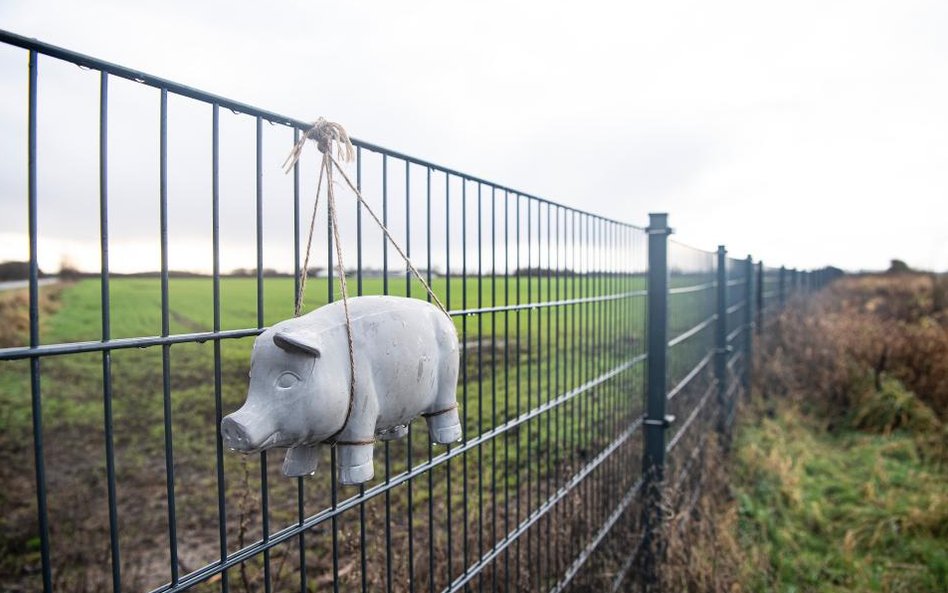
[{"x": 292, "y": 343}]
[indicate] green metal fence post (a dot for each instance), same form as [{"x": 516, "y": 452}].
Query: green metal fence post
[
  {"x": 783, "y": 286},
  {"x": 748, "y": 321},
  {"x": 760, "y": 297},
  {"x": 656, "y": 422},
  {"x": 720, "y": 339}
]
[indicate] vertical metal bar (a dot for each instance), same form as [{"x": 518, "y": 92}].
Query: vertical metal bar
[
  {"x": 480, "y": 382},
  {"x": 506, "y": 387},
  {"x": 529, "y": 406},
  {"x": 576, "y": 344},
  {"x": 408, "y": 227},
  {"x": 296, "y": 219},
  {"x": 218, "y": 379},
  {"x": 106, "y": 327},
  {"x": 264, "y": 483},
  {"x": 363, "y": 560},
  {"x": 334, "y": 502},
  {"x": 517, "y": 488},
  {"x": 760, "y": 297},
  {"x": 334, "y": 453},
  {"x": 218, "y": 367},
  {"x": 465, "y": 407},
  {"x": 653, "y": 466},
  {"x": 358, "y": 205},
  {"x": 783, "y": 286},
  {"x": 428, "y": 229},
  {"x": 431, "y": 526},
  {"x": 493, "y": 375},
  {"x": 165, "y": 331},
  {"x": 557, "y": 361},
  {"x": 428, "y": 298},
  {"x": 35, "y": 388},
  {"x": 388, "y": 451},
  {"x": 259, "y": 217},
  {"x": 385, "y": 222},
  {"x": 720, "y": 337},
  {"x": 748, "y": 322},
  {"x": 548, "y": 445},
  {"x": 409, "y": 461},
  {"x": 300, "y": 483},
  {"x": 447, "y": 465},
  {"x": 587, "y": 346}
]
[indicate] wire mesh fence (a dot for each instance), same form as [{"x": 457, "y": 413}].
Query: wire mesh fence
[{"x": 116, "y": 390}]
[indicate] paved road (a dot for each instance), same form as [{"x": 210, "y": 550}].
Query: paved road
[{"x": 15, "y": 284}]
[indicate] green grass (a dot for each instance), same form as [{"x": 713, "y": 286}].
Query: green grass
[
  {"x": 136, "y": 303},
  {"x": 844, "y": 511}
]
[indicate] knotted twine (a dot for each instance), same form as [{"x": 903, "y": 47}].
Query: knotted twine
[{"x": 325, "y": 134}]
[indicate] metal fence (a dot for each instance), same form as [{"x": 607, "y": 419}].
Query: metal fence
[{"x": 597, "y": 358}]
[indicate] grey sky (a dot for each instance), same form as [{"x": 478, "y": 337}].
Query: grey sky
[{"x": 809, "y": 133}]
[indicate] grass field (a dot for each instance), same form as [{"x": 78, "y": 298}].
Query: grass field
[
  {"x": 840, "y": 511},
  {"x": 842, "y": 483},
  {"x": 513, "y": 362}
]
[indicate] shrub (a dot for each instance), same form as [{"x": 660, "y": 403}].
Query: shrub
[{"x": 893, "y": 407}]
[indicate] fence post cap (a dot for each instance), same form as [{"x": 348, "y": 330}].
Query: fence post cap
[{"x": 658, "y": 223}]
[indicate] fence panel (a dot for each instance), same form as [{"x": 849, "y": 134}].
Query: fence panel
[{"x": 129, "y": 374}]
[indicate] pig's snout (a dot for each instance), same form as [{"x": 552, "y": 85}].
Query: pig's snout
[{"x": 244, "y": 433}]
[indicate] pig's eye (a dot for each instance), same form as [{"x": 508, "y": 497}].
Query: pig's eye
[{"x": 287, "y": 380}]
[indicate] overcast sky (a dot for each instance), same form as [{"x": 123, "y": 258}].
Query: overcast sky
[{"x": 806, "y": 133}]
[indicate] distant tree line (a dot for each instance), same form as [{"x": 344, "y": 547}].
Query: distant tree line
[{"x": 16, "y": 270}]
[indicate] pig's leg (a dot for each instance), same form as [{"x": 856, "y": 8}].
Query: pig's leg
[
  {"x": 301, "y": 461},
  {"x": 357, "y": 440},
  {"x": 444, "y": 425},
  {"x": 355, "y": 462}
]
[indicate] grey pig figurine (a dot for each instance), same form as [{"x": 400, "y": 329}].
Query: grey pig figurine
[{"x": 406, "y": 364}]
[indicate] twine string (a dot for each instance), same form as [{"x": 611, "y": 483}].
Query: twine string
[{"x": 325, "y": 134}]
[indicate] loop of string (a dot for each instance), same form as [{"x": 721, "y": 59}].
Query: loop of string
[{"x": 325, "y": 133}]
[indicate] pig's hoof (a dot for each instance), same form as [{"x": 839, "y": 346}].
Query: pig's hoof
[
  {"x": 301, "y": 461},
  {"x": 445, "y": 428},
  {"x": 355, "y": 464},
  {"x": 356, "y": 474},
  {"x": 395, "y": 432}
]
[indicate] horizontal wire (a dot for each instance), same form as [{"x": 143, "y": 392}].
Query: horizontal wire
[
  {"x": 19, "y": 353},
  {"x": 691, "y": 375},
  {"x": 691, "y": 418},
  {"x": 734, "y": 308},
  {"x": 544, "y": 304},
  {"x": 687, "y": 289},
  {"x": 737, "y": 331},
  {"x": 694, "y": 330}
]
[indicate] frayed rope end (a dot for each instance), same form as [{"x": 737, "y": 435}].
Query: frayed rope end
[{"x": 324, "y": 132}]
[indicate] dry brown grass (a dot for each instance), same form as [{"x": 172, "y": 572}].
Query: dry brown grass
[
  {"x": 15, "y": 313},
  {"x": 704, "y": 553},
  {"x": 863, "y": 339}
]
